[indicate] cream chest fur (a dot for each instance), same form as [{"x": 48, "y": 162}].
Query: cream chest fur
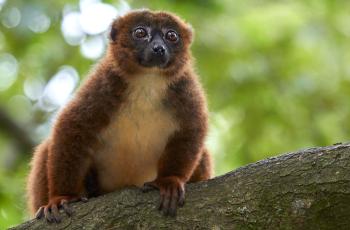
[{"x": 134, "y": 141}]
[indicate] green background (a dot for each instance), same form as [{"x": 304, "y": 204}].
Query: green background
[{"x": 276, "y": 74}]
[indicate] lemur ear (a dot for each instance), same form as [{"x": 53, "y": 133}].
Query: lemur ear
[
  {"x": 190, "y": 32},
  {"x": 113, "y": 34}
]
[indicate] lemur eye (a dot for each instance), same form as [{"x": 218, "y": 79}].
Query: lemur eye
[
  {"x": 140, "y": 33},
  {"x": 172, "y": 36}
]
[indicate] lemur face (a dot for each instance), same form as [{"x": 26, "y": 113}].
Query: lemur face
[
  {"x": 155, "y": 45},
  {"x": 151, "y": 39}
]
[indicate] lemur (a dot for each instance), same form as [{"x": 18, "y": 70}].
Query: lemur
[{"x": 139, "y": 119}]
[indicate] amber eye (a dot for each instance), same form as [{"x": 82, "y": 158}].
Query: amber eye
[
  {"x": 140, "y": 33},
  {"x": 172, "y": 36}
]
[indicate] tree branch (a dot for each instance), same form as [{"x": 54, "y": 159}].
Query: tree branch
[{"x": 309, "y": 189}]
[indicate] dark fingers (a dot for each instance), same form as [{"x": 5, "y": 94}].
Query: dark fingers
[
  {"x": 47, "y": 212},
  {"x": 160, "y": 205},
  {"x": 173, "y": 202},
  {"x": 166, "y": 202},
  {"x": 55, "y": 214},
  {"x": 181, "y": 200},
  {"x": 66, "y": 208},
  {"x": 148, "y": 186}
]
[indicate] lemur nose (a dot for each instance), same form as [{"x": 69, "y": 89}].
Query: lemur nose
[{"x": 159, "y": 50}]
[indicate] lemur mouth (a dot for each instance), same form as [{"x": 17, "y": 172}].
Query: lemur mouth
[{"x": 160, "y": 62}]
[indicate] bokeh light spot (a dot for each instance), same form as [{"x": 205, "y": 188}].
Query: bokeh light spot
[
  {"x": 84, "y": 4},
  {"x": 71, "y": 29},
  {"x": 96, "y": 18},
  {"x": 33, "y": 88},
  {"x": 39, "y": 23},
  {"x": 11, "y": 17},
  {"x": 8, "y": 70},
  {"x": 93, "y": 47},
  {"x": 2, "y": 2},
  {"x": 59, "y": 89}
]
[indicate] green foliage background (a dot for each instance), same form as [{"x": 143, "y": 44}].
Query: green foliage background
[{"x": 276, "y": 73}]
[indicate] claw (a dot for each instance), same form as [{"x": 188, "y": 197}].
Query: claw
[
  {"x": 66, "y": 208},
  {"x": 167, "y": 202},
  {"x": 161, "y": 201},
  {"x": 149, "y": 186},
  {"x": 48, "y": 216},
  {"x": 181, "y": 197},
  {"x": 172, "y": 193},
  {"x": 173, "y": 203},
  {"x": 51, "y": 210},
  {"x": 40, "y": 213},
  {"x": 55, "y": 214}
]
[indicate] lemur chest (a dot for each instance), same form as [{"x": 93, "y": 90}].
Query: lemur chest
[{"x": 136, "y": 137}]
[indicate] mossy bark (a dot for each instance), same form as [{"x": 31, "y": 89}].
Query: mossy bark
[{"x": 309, "y": 189}]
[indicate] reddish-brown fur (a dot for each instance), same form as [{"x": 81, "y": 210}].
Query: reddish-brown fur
[{"x": 66, "y": 166}]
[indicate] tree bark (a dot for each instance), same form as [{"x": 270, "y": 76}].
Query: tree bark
[{"x": 309, "y": 189}]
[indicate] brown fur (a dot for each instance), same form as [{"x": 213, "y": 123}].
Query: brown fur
[{"x": 127, "y": 125}]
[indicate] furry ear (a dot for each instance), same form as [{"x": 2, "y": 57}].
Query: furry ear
[
  {"x": 113, "y": 34},
  {"x": 190, "y": 32}
]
